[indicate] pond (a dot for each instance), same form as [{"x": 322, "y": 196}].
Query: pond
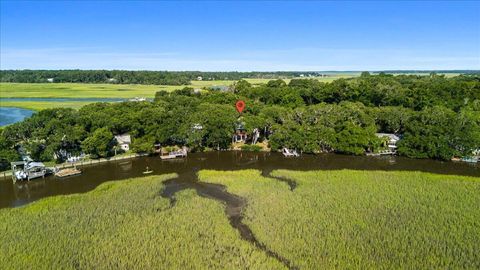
[
  {"x": 20, "y": 193},
  {"x": 10, "y": 115}
]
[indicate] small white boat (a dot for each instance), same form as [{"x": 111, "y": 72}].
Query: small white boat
[
  {"x": 289, "y": 153},
  {"x": 470, "y": 159},
  {"x": 21, "y": 175},
  {"x": 148, "y": 171}
]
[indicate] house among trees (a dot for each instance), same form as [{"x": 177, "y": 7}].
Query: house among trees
[
  {"x": 390, "y": 140},
  {"x": 124, "y": 141},
  {"x": 199, "y": 78},
  {"x": 50, "y": 79},
  {"x": 240, "y": 134}
]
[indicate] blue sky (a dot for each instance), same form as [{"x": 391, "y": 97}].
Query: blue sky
[{"x": 243, "y": 36}]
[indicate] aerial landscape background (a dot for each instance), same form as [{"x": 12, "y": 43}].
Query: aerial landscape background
[{"x": 239, "y": 134}]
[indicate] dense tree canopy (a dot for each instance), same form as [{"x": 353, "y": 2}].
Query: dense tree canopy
[{"x": 437, "y": 117}]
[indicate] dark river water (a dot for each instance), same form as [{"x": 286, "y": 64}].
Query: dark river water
[{"x": 20, "y": 193}]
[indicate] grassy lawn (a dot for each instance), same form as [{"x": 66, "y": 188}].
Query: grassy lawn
[
  {"x": 125, "y": 225},
  {"x": 363, "y": 219}
]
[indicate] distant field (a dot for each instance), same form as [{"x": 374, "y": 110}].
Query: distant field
[{"x": 82, "y": 90}]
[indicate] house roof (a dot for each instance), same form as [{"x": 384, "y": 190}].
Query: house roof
[
  {"x": 34, "y": 164},
  {"x": 391, "y": 136},
  {"x": 123, "y": 139}
]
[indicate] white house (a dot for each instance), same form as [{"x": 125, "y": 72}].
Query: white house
[
  {"x": 50, "y": 80},
  {"x": 199, "y": 78},
  {"x": 124, "y": 141},
  {"x": 391, "y": 140}
]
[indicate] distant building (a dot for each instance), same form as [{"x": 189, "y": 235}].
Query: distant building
[
  {"x": 199, "y": 78},
  {"x": 112, "y": 80},
  {"x": 124, "y": 141},
  {"x": 390, "y": 140},
  {"x": 50, "y": 79}
]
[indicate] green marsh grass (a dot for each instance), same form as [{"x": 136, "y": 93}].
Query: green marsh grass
[
  {"x": 362, "y": 219},
  {"x": 125, "y": 225}
]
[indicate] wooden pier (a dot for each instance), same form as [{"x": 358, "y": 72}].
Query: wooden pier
[{"x": 68, "y": 172}]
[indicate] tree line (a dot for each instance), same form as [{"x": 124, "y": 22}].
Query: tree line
[
  {"x": 132, "y": 77},
  {"x": 437, "y": 117}
]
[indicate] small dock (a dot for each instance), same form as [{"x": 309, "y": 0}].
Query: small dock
[
  {"x": 382, "y": 153},
  {"x": 68, "y": 172},
  {"x": 175, "y": 154},
  {"x": 289, "y": 153}
]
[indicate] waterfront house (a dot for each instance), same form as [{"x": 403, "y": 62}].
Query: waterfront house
[
  {"x": 240, "y": 134},
  {"x": 390, "y": 140},
  {"x": 124, "y": 141}
]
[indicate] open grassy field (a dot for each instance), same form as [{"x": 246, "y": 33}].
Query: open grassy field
[
  {"x": 125, "y": 225},
  {"x": 362, "y": 219}
]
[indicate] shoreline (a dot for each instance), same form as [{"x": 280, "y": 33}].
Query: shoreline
[{"x": 7, "y": 174}]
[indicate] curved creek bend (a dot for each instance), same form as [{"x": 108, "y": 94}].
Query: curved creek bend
[{"x": 21, "y": 193}]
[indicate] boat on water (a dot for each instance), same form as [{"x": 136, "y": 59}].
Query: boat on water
[
  {"x": 289, "y": 153},
  {"x": 470, "y": 159},
  {"x": 147, "y": 171},
  {"x": 28, "y": 170}
]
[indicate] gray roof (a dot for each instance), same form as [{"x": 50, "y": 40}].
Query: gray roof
[
  {"x": 123, "y": 138},
  {"x": 34, "y": 164}
]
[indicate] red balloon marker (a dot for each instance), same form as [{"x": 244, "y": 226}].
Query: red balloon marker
[{"x": 240, "y": 106}]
